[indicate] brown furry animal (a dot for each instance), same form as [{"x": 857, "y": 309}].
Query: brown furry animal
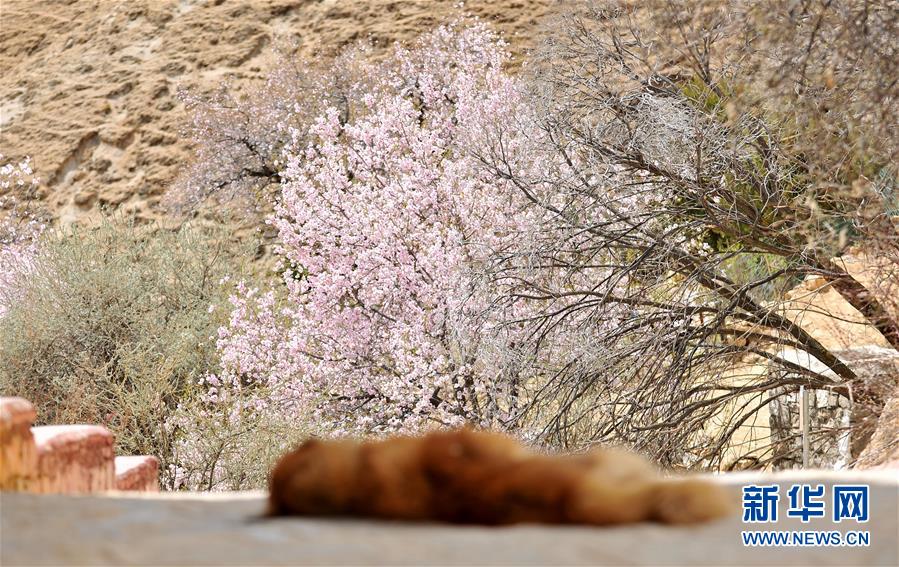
[{"x": 465, "y": 476}]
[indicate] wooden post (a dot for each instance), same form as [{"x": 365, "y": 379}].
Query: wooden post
[{"x": 805, "y": 423}]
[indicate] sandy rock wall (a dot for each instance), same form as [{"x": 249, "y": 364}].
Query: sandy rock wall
[
  {"x": 883, "y": 450},
  {"x": 88, "y": 88}
]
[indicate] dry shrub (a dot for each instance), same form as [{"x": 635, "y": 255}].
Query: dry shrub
[{"x": 116, "y": 325}]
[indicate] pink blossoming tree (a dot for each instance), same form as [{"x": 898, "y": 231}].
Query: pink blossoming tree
[{"x": 386, "y": 226}]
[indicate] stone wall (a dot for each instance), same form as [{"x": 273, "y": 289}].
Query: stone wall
[
  {"x": 830, "y": 428},
  {"x": 839, "y": 430},
  {"x": 70, "y": 459}
]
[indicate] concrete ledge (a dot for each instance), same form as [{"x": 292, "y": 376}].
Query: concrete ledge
[
  {"x": 226, "y": 529},
  {"x": 73, "y": 459},
  {"x": 18, "y": 453},
  {"x": 139, "y": 473}
]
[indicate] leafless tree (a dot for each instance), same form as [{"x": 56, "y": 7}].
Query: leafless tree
[{"x": 701, "y": 159}]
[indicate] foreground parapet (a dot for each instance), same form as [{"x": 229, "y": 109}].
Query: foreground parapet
[
  {"x": 227, "y": 529},
  {"x": 18, "y": 453},
  {"x": 65, "y": 459}
]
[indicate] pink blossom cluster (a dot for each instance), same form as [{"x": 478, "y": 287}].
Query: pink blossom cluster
[
  {"x": 387, "y": 223},
  {"x": 19, "y": 232}
]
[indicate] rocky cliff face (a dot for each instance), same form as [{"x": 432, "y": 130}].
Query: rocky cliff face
[{"x": 88, "y": 87}]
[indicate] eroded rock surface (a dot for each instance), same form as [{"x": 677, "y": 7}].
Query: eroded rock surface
[{"x": 88, "y": 88}]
